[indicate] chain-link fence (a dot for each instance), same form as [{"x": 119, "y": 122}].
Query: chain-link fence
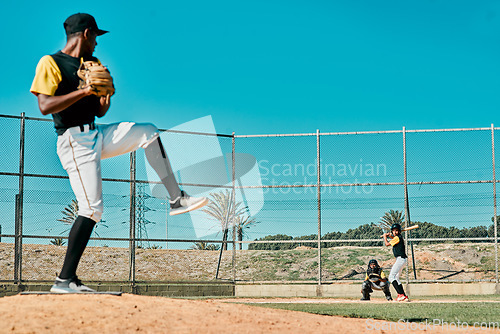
[{"x": 309, "y": 207}]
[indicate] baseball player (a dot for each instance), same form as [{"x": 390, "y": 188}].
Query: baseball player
[
  {"x": 375, "y": 280},
  {"x": 398, "y": 249},
  {"x": 81, "y": 144}
]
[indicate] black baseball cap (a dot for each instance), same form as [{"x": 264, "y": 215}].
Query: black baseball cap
[{"x": 81, "y": 21}]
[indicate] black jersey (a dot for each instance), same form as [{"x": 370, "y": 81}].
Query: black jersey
[
  {"x": 398, "y": 246},
  {"x": 57, "y": 75}
]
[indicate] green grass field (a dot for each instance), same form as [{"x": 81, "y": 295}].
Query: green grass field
[{"x": 463, "y": 311}]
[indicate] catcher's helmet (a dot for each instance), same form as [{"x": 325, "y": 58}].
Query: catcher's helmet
[
  {"x": 396, "y": 226},
  {"x": 373, "y": 261}
]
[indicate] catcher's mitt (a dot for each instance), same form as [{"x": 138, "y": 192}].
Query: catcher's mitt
[
  {"x": 95, "y": 75},
  {"x": 374, "y": 278}
]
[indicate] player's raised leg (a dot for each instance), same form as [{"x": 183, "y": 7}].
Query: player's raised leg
[
  {"x": 125, "y": 137},
  {"x": 180, "y": 201}
]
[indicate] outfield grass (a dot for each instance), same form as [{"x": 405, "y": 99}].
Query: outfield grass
[
  {"x": 470, "y": 313},
  {"x": 466, "y": 297}
]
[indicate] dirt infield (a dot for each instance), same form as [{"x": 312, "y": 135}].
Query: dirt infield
[{"x": 143, "y": 314}]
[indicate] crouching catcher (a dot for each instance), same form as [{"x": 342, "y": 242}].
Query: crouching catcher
[{"x": 375, "y": 280}]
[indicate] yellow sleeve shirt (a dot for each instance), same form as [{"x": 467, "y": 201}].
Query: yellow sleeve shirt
[
  {"x": 47, "y": 77},
  {"x": 394, "y": 241}
]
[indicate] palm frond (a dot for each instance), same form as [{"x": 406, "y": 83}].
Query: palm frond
[
  {"x": 223, "y": 208},
  {"x": 391, "y": 217},
  {"x": 70, "y": 213}
]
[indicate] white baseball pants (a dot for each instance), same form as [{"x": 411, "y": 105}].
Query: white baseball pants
[
  {"x": 396, "y": 269},
  {"x": 81, "y": 152}
]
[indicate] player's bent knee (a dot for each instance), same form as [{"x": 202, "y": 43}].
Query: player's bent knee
[
  {"x": 366, "y": 286},
  {"x": 93, "y": 213},
  {"x": 149, "y": 128},
  {"x": 150, "y": 131}
]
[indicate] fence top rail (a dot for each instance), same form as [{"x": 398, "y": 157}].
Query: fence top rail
[
  {"x": 278, "y": 135},
  {"x": 451, "y": 130},
  {"x": 362, "y": 132},
  {"x": 292, "y": 134},
  {"x": 198, "y": 133},
  {"x": 162, "y": 130},
  {"x": 27, "y": 118}
]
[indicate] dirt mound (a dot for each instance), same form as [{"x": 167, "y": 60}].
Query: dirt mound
[{"x": 141, "y": 314}]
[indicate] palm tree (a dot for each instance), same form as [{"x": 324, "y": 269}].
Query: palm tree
[
  {"x": 57, "y": 242},
  {"x": 213, "y": 247},
  {"x": 225, "y": 210},
  {"x": 202, "y": 245},
  {"x": 242, "y": 223},
  {"x": 70, "y": 213},
  {"x": 389, "y": 218}
]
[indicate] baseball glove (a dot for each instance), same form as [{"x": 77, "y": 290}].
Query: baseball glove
[
  {"x": 374, "y": 278},
  {"x": 95, "y": 75}
]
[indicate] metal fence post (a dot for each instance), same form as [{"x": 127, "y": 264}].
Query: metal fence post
[
  {"x": 17, "y": 241},
  {"x": 318, "y": 171},
  {"x": 18, "y": 247},
  {"x": 132, "y": 219},
  {"x": 407, "y": 207},
  {"x": 166, "y": 224},
  {"x": 233, "y": 178},
  {"x": 495, "y": 222}
]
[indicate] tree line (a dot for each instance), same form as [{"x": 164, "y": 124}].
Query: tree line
[{"x": 373, "y": 231}]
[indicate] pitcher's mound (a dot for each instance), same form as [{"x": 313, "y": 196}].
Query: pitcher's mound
[{"x": 143, "y": 314}]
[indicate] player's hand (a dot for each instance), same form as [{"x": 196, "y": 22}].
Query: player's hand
[
  {"x": 88, "y": 90},
  {"x": 105, "y": 101}
]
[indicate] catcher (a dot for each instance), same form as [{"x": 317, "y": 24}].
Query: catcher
[
  {"x": 74, "y": 87},
  {"x": 375, "y": 280}
]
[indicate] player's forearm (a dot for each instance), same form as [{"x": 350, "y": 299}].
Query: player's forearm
[
  {"x": 386, "y": 242},
  {"x": 54, "y": 104}
]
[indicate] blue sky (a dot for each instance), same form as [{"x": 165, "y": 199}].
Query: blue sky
[
  {"x": 261, "y": 67},
  {"x": 276, "y": 66}
]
